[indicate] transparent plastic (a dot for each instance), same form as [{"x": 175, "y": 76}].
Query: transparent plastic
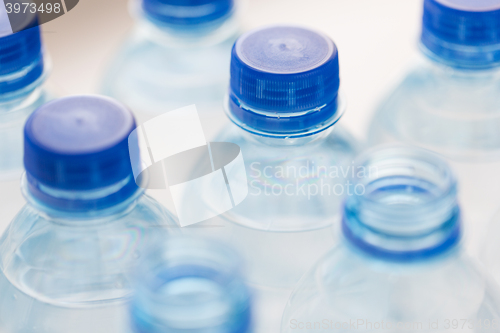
[
  {"x": 295, "y": 190},
  {"x": 191, "y": 285},
  {"x": 491, "y": 248},
  {"x": 14, "y": 110},
  {"x": 399, "y": 265},
  {"x": 350, "y": 290},
  {"x": 454, "y": 112},
  {"x": 63, "y": 272},
  {"x": 160, "y": 69}
]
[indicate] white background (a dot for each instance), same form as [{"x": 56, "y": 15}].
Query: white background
[{"x": 377, "y": 40}]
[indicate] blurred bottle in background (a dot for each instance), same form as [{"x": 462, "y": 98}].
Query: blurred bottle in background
[
  {"x": 177, "y": 55},
  {"x": 284, "y": 102},
  {"x": 190, "y": 285},
  {"x": 22, "y": 74},
  {"x": 450, "y": 102},
  {"x": 65, "y": 258},
  {"x": 399, "y": 266},
  {"x": 490, "y": 250}
]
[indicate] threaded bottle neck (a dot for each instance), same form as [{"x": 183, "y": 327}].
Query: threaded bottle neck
[{"x": 405, "y": 206}]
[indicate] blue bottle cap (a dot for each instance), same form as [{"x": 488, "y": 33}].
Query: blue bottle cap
[
  {"x": 462, "y": 33},
  {"x": 79, "y": 143},
  {"x": 284, "y": 81},
  {"x": 187, "y": 12},
  {"x": 19, "y": 51}
]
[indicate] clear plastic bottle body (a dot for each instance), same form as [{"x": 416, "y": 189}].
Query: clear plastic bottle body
[
  {"x": 160, "y": 69},
  {"x": 454, "y": 112},
  {"x": 14, "y": 110},
  {"x": 63, "y": 272},
  {"x": 351, "y": 291},
  {"x": 295, "y": 190},
  {"x": 399, "y": 265}
]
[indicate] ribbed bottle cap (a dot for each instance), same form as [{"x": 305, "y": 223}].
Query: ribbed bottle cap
[
  {"x": 79, "y": 143},
  {"x": 187, "y": 12},
  {"x": 462, "y": 33},
  {"x": 284, "y": 79},
  {"x": 20, "y": 51}
]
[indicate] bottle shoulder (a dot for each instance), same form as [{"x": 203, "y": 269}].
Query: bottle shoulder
[
  {"x": 336, "y": 142},
  {"x": 141, "y": 51},
  {"x": 294, "y": 185},
  {"x": 33, "y": 229},
  {"x": 344, "y": 285},
  {"x": 155, "y": 77},
  {"x": 450, "y": 113},
  {"x": 49, "y": 257},
  {"x": 444, "y": 87}
]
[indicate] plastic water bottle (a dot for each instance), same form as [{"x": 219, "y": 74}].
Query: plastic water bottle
[
  {"x": 177, "y": 55},
  {"x": 22, "y": 74},
  {"x": 190, "y": 285},
  {"x": 491, "y": 247},
  {"x": 399, "y": 266},
  {"x": 65, "y": 258},
  {"x": 449, "y": 102},
  {"x": 283, "y": 103}
]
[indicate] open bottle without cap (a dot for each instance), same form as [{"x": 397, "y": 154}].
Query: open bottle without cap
[
  {"x": 65, "y": 258},
  {"x": 449, "y": 102},
  {"x": 177, "y": 55},
  {"x": 284, "y": 104},
  {"x": 399, "y": 265},
  {"x": 190, "y": 285}
]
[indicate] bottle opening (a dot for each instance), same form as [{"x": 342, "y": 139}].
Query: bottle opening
[
  {"x": 404, "y": 206},
  {"x": 192, "y": 285}
]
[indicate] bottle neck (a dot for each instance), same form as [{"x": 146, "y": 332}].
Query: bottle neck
[
  {"x": 286, "y": 141},
  {"x": 10, "y": 99},
  {"x": 449, "y": 72},
  {"x": 20, "y": 101},
  {"x": 81, "y": 204},
  {"x": 404, "y": 206},
  {"x": 205, "y": 35},
  {"x": 190, "y": 284},
  {"x": 273, "y": 128}
]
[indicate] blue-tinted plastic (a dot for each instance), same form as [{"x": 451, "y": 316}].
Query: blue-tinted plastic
[
  {"x": 20, "y": 51},
  {"x": 407, "y": 209},
  {"x": 465, "y": 34},
  {"x": 350, "y": 224},
  {"x": 162, "y": 67},
  {"x": 190, "y": 285},
  {"x": 70, "y": 272},
  {"x": 284, "y": 79},
  {"x": 187, "y": 13},
  {"x": 79, "y": 143}
]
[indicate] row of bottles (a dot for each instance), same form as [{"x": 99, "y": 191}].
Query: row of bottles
[{"x": 328, "y": 238}]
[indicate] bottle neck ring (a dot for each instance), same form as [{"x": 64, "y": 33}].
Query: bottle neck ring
[{"x": 404, "y": 206}]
